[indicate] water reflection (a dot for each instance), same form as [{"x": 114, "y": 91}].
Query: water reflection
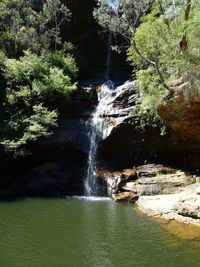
[{"x": 80, "y": 232}]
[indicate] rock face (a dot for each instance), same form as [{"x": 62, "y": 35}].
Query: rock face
[
  {"x": 60, "y": 160},
  {"x": 120, "y": 104},
  {"x": 182, "y": 115},
  {"x": 68, "y": 148},
  {"x": 73, "y": 128},
  {"x": 120, "y": 181},
  {"x": 128, "y": 144}
]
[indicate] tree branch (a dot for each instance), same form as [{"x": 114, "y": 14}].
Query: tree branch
[
  {"x": 155, "y": 64},
  {"x": 184, "y": 42}
]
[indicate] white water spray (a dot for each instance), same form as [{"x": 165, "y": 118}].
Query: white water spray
[{"x": 99, "y": 128}]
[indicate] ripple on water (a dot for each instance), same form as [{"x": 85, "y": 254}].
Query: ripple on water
[{"x": 87, "y": 232}]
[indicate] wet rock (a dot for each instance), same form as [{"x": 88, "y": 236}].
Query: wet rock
[
  {"x": 129, "y": 175},
  {"x": 73, "y": 128},
  {"x": 120, "y": 181},
  {"x": 148, "y": 179},
  {"x": 86, "y": 94},
  {"x": 120, "y": 104},
  {"x": 58, "y": 172},
  {"x": 125, "y": 196},
  {"x": 112, "y": 181}
]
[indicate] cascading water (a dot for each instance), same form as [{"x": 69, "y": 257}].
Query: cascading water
[
  {"x": 99, "y": 128},
  {"x": 109, "y": 113},
  {"x": 108, "y": 60}
]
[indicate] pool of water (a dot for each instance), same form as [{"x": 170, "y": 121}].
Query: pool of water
[{"x": 82, "y": 232}]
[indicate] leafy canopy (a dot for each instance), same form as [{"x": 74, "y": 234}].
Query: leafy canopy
[{"x": 37, "y": 71}]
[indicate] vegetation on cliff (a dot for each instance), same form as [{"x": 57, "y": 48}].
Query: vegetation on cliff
[
  {"x": 37, "y": 71},
  {"x": 162, "y": 37}
]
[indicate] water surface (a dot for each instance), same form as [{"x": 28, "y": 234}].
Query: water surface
[{"x": 75, "y": 232}]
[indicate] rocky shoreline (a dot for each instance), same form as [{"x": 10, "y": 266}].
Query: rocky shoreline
[{"x": 158, "y": 191}]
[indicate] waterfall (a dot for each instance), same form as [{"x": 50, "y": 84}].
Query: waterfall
[
  {"x": 99, "y": 128},
  {"x": 108, "y": 61}
]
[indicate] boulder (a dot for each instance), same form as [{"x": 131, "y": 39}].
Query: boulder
[
  {"x": 130, "y": 186},
  {"x": 150, "y": 170},
  {"x": 125, "y": 196},
  {"x": 119, "y": 181},
  {"x": 163, "y": 183},
  {"x": 189, "y": 208}
]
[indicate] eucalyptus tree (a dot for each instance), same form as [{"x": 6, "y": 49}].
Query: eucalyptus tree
[
  {"x": 163, "y": 40},
  {"x": 121, "y": 16},
  {"x": 56, "y": 13},
  {"x": 22, "y": 26},
  {"x": 125, "y": 16},
  {"x": 171, "y": 10}
]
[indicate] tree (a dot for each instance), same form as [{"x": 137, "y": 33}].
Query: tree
[
  {"x": 158, "y": 37},
  {"x": 163, "y": 48},
  {"x": 22, "y": 27},
  {"x": 125, "y": 17},
  {"x": 122, "y": 17},
  {"x": 56, "y": 13},
  {"x": 37, "y": 75}
]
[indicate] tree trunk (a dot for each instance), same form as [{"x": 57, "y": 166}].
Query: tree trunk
[{"x": 184, "y": 42}]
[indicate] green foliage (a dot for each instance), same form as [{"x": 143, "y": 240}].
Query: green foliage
[
  {"x": 36, "y": 78},
  {"x": 34, "y": 86},
  {"x": 151, "y": 90},
  {"x": 63, "y": 60},
  {"x": 160, "y": 60},
  {"x": 154, "y": 40},
  {"x": 56, "y": 13},
  {"x": 122, "y": 16},
  {"x": 21, "y": 27},
  {"x": 24, "y": 129},
  {"x": 163, "y": 37}
]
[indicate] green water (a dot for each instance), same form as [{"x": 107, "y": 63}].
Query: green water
[{"x": 79, "y": 233}]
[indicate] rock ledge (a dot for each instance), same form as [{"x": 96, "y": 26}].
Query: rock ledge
[{"x": 158, "y": 191}]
